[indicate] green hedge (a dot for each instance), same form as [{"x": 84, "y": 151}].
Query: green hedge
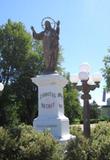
[
  {"x": 24, "y": 143},
  {"x": 100, "y": 146},
  {"x": 97, "y": 147}
]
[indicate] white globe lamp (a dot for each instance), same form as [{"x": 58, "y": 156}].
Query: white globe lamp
[
  {"x": 97, "y": 77},
  {"x": 83, "y": 76},
  {"x": 85, "y": 67}
]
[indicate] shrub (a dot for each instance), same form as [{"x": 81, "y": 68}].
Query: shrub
[
  {"x": 76, "y": 130},
  {"x": 97, "y": 147},
  {"x": 24, "y": 143},
  {"x": 76, "y": 149},
  {"x": 100, "y": 146}
]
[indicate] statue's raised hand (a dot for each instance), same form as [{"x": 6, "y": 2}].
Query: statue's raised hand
[
  {"x": 32, "y": 28},
  {"x": 58, "y": 23}
]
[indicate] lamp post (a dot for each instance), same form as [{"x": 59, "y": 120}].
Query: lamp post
[{"x": 87, "y": 84}]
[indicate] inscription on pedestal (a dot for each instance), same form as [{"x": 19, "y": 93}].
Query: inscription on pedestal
[
  {"x": 47, "y": 106},
  {"x": 48, "y": 94},
  {"x": 48, "y": 99}
]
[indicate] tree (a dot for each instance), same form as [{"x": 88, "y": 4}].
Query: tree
[
  {"x": 106, "y": 70},
  {"x": 19, "y": 62},
  {"x": 94, "y": 111},
  {"x": 73, "y": 109}
]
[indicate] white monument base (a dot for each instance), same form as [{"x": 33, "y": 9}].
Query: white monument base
[{"x": 51, "y": 106}]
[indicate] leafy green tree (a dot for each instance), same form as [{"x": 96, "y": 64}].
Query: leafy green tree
[
  {"x": 73, "y": 109},
  {"x": 106, "y": 70},
  {"x": 19, "y": 62},
  {"x": 94, "y": 111}
]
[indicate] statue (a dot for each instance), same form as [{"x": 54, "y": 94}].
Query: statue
[{"x": 50, "y": 37}]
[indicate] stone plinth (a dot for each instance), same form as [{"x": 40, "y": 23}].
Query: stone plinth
[{"x": 51, "y": 106}]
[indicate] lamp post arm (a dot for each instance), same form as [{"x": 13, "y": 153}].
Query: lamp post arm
[
  {"x": 93, "y": 87},
  {"x": 79, "y": 87}
]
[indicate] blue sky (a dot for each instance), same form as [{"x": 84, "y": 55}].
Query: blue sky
[{"x": 85, "y": 28}]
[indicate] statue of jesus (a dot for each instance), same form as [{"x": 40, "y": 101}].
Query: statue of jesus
[{"x": 50, "y": 38}]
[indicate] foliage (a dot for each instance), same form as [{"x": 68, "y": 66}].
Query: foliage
[
  {"x": 24, "y": 143},
  {"x": 59, "y": 67},
  {"x": 97, "y": 147},
  {"x": 101, "y": 141},
  {"x": 76, "y": 130},
  {"x": 9, "y": 109},
  {"x": 14, "y": 48},
  {"x": 73, "y": 109},
  {"x": 106, "y": 70},
  {"x": 94, "y": 111},
  {"x": 76, "y": 149},
  {"x": 19, "y": 62}
]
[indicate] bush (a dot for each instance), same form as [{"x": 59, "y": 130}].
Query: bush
[
  {"x": 100, "y": 146},
  {"x": 24, "y": 143},
  {"x": 76, "y": 149},
  {"x": 76, "y": 130},
  {"x": 97, "y": 147}
]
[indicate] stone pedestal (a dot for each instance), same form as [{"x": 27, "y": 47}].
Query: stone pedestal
[{"x": 51, "y": 106}]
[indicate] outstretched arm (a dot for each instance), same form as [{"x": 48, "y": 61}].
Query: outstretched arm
[
  {"x": 32, "y": 28},
  {"x": 58, "y": 28},
  {"x": 37, "y": 36}
]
